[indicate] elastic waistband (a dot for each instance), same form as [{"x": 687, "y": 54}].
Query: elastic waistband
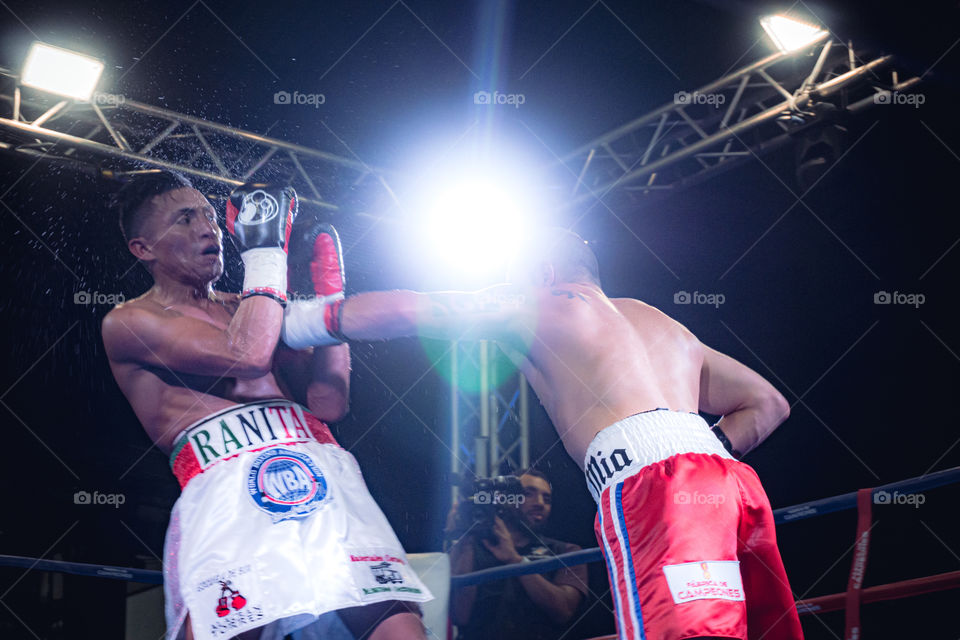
[
  {"x": 626, "y": 447},
  {"x": 245, "y": 428}
]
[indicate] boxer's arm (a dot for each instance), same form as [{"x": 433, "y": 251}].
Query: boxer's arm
[
  {"x": 183, "y": 344},
  {"x": 462, "y": 555},
  {"x": 751, "y": 407},
  {"x": 316, "y": 377},
  {"x": 328, "y": 392},
  {"x": 558, "y": 601},
  {"x": 496, "y": 313}
]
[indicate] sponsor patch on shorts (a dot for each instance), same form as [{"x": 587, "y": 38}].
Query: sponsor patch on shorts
[
  {"x": 226, "y": 604},
  {"x": 383, "y": 575},
  {"x": 709, "y": 580},
  {"x": 286, "y": 484}
]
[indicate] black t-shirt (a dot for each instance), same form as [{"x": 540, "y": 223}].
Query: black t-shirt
[{"x": 504, "y": 611}]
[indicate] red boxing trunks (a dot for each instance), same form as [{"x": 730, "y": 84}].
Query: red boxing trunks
[{"x": 687, "y": 533}]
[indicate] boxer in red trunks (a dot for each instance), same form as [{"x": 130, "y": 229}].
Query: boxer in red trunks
[{"x": 686, "y": 529}]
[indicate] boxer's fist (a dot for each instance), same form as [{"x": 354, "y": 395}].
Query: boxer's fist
[
  {"x": 315, "y": 278},
  {"x": 260, "y": 216},
  {"x": 259, "y": 219},
  {"x": 315, "y": 261}
]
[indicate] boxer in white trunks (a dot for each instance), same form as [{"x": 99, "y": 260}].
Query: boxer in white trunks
[{"x": 274, "y": 530}]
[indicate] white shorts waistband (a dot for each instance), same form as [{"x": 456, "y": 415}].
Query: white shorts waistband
[{"x": 627, "y": 446}]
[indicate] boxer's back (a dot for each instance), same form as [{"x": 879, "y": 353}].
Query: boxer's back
[{"x": 597, "y": 360}]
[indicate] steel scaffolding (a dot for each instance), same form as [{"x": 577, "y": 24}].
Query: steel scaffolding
[
  {"x": 140, "y": 135},
  {"x": 490, "y": 422},
  {"x": 701, "y": 133},
  {"x": 742, "y": 115}
]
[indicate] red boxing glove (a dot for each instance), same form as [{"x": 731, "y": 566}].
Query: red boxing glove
[
  {"x": 315, "y": 262},
  {"x": 315, "y": 277}
]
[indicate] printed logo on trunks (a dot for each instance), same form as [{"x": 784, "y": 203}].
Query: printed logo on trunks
[
  {"x": 226, "y": 603},
  {"x": 229, "y": 599},
  {"x": 601, "y": 468},
  {"x": 383, "y": 574},
  {"x": 286, "y": 484},
  {"x": 709, "y": 580},
  {"x": 387, "y": 574},
  {"x": 248, "y": 428}
]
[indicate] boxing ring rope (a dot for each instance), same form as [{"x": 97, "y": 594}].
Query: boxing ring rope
[
  {"x": 145, "y": 576},
  {"x": 801, "y": 511},
  {"x": 853, "y": 597}
]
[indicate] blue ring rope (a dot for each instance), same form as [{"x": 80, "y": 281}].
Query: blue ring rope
[{"x": 787, "y": 514}]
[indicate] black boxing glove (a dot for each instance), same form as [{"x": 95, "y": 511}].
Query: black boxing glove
[{"x": 259, "y": 219}]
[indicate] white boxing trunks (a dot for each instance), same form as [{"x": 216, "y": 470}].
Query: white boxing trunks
[{"x": 274, "y": 527}]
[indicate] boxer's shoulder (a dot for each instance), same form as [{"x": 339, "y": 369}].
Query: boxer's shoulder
[
  {"x": 632, "y": 304},
  {"x": 137, "y": 320},
  {"x": 229, "y": 300},
  {"x": 641, "y": 311},
  {"x": 130, "y": 311}
]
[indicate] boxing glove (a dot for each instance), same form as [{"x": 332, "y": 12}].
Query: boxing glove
[
  {"x": 316, "y": 280},
  {"x": 259, "y": 220},
  {"x": 315, "y": 262}
]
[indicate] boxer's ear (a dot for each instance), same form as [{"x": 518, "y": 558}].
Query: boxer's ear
[{"x": 140, "y": 249}]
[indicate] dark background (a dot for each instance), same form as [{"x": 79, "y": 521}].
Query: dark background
[{"x": 871, "y": 386}]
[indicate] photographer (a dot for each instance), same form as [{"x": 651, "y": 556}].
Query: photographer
[{"x": 532, "y": 607}]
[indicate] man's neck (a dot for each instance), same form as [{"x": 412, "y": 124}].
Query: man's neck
[
  {"x": 520, "y": 533},
  {"x": 168, "y": 291}
]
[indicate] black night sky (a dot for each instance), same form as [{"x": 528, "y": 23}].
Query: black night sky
[{"x": 871, "y": 386}]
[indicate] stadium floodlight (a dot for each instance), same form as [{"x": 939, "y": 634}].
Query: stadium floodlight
[
  {"x": 789, "y": 34},
  {"x": 61, "y": 72},
  {"x": 477, "y": 223}
]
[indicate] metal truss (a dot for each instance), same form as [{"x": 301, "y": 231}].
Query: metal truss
[
  {"x": 490, "y": 426},
  {"x": 740, "y": 116},
  {"x": 136, "y": 136},
  {"x": 699, "y": 134}
]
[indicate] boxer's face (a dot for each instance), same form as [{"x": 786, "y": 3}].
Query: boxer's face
[
  {"x": 182, "y": 236},
  {"x": 537, "y": 502}
]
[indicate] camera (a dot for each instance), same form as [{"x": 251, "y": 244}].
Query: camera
[{"x": 485, "y": 499}]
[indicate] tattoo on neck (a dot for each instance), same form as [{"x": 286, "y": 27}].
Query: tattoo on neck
[{"x": 569, "y": 294}]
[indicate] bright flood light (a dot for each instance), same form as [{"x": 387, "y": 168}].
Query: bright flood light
[
  {"x": 789, "y": 34},
  {"x": 62, "y": 72},
  {"x": 476, "y": 223}
]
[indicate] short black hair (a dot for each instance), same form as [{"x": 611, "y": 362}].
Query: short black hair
[
  {"x": 537, "y": 474},
  {"x": 133, "y": 195},
  {"x": 570, "y": 255}
]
